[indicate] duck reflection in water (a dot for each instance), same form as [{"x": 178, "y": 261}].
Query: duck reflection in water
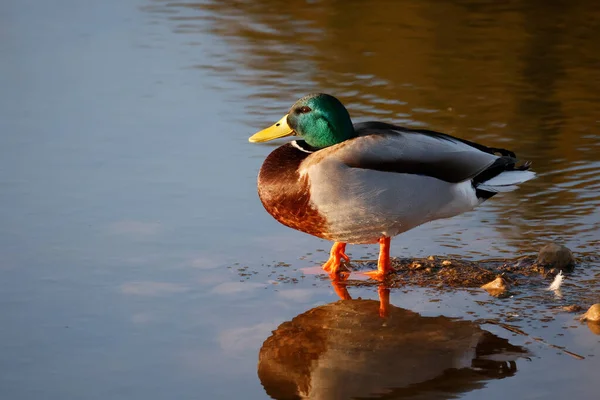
[{"x": 368, "y": 349}]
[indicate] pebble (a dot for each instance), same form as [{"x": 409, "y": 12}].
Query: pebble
[
  {"x": 556, "y": 256},
  {"x": 572, "y": 308},
  {"x": 592, "y": 314},
  {"x": 496, "y": 287}
]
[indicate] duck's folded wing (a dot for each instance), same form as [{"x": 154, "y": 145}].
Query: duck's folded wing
[{"x": 384, "y": 147}]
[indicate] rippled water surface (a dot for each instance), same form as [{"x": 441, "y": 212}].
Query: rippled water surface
[{"x": 137, "y": 262}]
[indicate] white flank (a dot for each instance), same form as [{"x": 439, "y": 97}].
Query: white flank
[
  {"x": 362, "y": 204},
  {"x": 558, "y": 280},
  {"x": 507, "y": 181}
]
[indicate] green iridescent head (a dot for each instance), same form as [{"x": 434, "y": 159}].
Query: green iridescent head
[{"x": 320, "y": 119}]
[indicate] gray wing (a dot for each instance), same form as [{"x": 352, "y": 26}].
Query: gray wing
[{"x": 385, "y": 147}]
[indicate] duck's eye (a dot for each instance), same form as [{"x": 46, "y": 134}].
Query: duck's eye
[{"x": 303, "y": 110}]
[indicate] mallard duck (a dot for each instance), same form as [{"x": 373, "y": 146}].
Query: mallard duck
[{"x": 368, "y": 182}]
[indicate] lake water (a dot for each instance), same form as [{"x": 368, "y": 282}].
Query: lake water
[{"x": 136, "y": 261}]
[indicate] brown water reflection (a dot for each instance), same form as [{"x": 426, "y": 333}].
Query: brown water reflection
[
  {"x": 346, "y": 350},
  {"x": 523, "y": 75}
]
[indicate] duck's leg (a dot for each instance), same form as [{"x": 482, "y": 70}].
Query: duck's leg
[
  {"x": 336, "y": 255},
  {"x": 384, "y": 266}
]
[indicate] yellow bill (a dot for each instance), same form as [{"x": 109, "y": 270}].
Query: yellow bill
[{"x": 278, "y": 130}]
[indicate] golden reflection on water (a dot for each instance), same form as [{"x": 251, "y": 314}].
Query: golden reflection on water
[
  {"x": 349, "y": 349},
  {"x": 521, "y": 75}
]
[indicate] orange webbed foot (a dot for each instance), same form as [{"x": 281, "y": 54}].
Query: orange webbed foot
[
  {"x": 336, "y": 255},
  {"x": 376, "y": 274},
  {"x": 384, "y": 265}
]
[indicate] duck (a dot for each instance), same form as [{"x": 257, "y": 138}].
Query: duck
[{"x": 367, "y": 182}]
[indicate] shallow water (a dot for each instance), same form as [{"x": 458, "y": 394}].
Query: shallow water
[{"x": 135, "y": 258}]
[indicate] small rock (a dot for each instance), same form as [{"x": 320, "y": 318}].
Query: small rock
[
  {"x": 498, "y": 283},
  {"x": 592, "y": 314},
  {"x": 572, "y": 308},
  {"x": 431, "y": 258},
  {"x": 556, "y": 256},
  {"x": 446, "y": 262},
  {"x": 496, "y": 287}
]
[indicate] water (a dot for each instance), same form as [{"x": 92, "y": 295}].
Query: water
[{"x": 135, "y": 258}]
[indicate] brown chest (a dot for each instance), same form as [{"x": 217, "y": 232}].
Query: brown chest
[{"x": 285, "y": 195}]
